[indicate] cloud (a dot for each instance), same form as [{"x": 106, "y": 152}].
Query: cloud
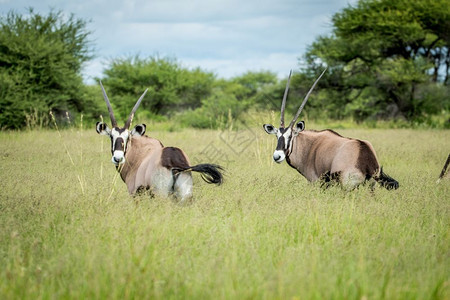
[
  {"x": 279, "y": 63},
  {"x": 225, "y": 37}
]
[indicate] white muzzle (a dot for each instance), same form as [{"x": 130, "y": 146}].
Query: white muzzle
[
  {"x": 278, "y": 156},
  {"x": 118, "y": 157}
]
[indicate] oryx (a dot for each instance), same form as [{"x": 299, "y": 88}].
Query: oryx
[
  {"x": 145, "y": 164},
  {"x": 325, "y": 154}
]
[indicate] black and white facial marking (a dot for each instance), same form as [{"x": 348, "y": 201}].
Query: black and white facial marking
[
  {"x": 119, "y": 139},
  {"x": 285, "y": 137}
]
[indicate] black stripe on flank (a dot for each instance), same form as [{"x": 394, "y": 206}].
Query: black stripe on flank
[{"x": 367, "y": 162}]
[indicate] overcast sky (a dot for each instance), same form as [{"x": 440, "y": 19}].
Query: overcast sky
[{"x": 227, "y": 38}]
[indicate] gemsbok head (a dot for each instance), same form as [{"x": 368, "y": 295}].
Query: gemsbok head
[
  {"x": 145, "y": 164},
  {"x": 325, "y": 155}
]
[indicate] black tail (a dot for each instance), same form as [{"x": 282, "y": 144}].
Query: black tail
[
  {"x": 210, "y": 172},
  {"x": 385, "y": 180}
]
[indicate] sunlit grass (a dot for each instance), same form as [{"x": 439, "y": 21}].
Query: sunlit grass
[{"x": 70, "y": 230}]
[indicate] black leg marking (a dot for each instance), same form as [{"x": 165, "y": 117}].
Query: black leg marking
[
  {"x": 143, "y": 191},
  {"x": 329, "y": 179},
  {"x": 367, "y": 162}
]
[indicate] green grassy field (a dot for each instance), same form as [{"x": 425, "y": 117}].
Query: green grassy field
[{"x": 69, "y": 229}]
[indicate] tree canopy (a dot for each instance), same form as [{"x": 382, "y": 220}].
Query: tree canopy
[
  {"x": 40, "y": 62},
  {"x": 386, "y": 58}
]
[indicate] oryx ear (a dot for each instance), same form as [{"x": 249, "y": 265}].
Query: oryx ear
[
  {"x": 102, "y": 128},
  {"x": 270, "y": 129},
  {"x": 299, "y": 127},
  {"x": 139, "y": 129}
]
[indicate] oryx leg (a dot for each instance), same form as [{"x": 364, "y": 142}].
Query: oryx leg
[
  {"x": 162, "y": 182},
  {"x": 351, "y": 179},
  {"x": 329, "y": 179},
  {"x": 346, "y": 163},
  {"x": 183, "y": 187}
]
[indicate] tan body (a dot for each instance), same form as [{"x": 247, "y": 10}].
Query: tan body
[
  {"x": 316, "y": 153},
  {"x": 143, "y": 168}
]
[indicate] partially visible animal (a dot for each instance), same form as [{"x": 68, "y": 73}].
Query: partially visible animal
[
  {"x": 444, "y": 169},
  {"x": 326, "y": 155},
  {"x": 145, "y": 164}
]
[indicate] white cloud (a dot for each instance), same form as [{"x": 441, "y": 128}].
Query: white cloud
[
  {"x": 279, "y": 63},
  {"x": 226, "y": 37}
]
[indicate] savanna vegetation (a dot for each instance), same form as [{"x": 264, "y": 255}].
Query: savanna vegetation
[
  {"x": 70, "y": 230},
  {"x": 387, "y": 60}
]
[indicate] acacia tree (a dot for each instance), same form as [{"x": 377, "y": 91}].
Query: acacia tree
[
  {"x": 40, "y": 65},
  {"x": 386, "y": 58}
]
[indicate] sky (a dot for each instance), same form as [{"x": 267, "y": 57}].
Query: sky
[{"x": 227, "y": 38}]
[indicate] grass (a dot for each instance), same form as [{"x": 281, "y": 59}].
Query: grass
[{"x": 69, "y": 229}]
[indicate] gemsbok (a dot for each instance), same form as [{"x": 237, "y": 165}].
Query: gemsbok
[
  {"x": 325, "y": 155},
  {"x": 145, "y": 164}
]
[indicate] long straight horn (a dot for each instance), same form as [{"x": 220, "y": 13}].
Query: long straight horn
[
  {"x": 283, "y": 104},
  {"x": 306, "y": 99},
  {"x": 130, "y": 118},
  {"x": 108, "y": 104}
]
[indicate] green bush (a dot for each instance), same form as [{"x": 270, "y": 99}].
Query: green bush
[
  {"x": 172, "y": 88},
  {"x": 218, "y": 111},
  {"x": 40, "y": 63},
  {"x": 386, "y": 59}
]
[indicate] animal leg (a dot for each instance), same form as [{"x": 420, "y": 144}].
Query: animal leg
[
  {"x": 329, "y": 179},
  {"x": 162, "y": 183},
  {"x": 183, "y": 187},
  {"x": 144, "y": 190},
  {"x": 351, "y": 179}
]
